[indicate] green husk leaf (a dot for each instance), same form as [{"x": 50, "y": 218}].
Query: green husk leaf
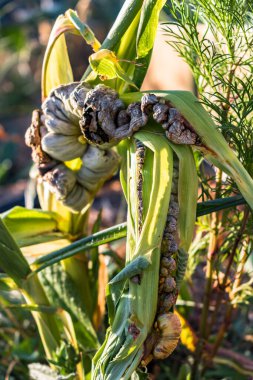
[
  {"x": 83, "y": 29},
  {"x": 120, "y": 354},
  {"x": 187, "y": 194},
  {"x": 106, "y": 65},
  {"x": 56, "y": 68},
  {"x": 116, "y": 36},
  {"x": 115, "y": 287}
]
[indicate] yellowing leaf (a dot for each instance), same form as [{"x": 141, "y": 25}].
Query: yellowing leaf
[
  {"x": 56, "y": 68},
  {"x": 188, "y": 336},
  {"x": 106, "y": 65}
]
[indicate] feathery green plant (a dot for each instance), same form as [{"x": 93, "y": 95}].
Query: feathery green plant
[{"x": 215, "y": 40}]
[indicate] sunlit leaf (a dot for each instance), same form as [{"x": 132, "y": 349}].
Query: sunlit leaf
[
  {"x": 30, "y": 226},
  {"x": 56, "y": 68},
  {"x": 11, "y": 259},
  {"x": 148, "y": 26},
  {"x": 106, "y": 65}
]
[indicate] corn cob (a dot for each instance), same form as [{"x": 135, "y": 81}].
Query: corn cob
[
  {"x": 177, "y": 236},
  {"x": 132, "y": 319}
]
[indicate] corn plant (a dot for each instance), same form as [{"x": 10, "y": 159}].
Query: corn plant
[{"x": 85, "y": 132}]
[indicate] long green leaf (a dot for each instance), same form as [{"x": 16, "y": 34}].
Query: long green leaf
[
  {"x": 11, "y": 259},
  {"x": 28, "y": 226},
  {"x": 215, "y": 205},
  {"x": 119, "y": 231},
  {"x": 214, "y": 146},
  {"x": 14, "y": 264},
  {"x": 148, "y": 26},
  {"x": 56, "y": 68},
  {"x": 121, "y": 356},
  {"x": 92, "y": 241}
]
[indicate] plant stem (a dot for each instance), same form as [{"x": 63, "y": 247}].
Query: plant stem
[
  {"x": 204, "y": 315},
  {"x": 230, "y": 262},
  {"x": 212, "y": 250},
  {"x": 230, "y": 307}
]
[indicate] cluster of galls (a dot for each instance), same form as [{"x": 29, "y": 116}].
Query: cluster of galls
[
  {"x": 106, "y": 120},
  {"x": 167, "y": 327},
  {"x": 167, "y": 285},
  {"x": 55, "y": 137},
  {"x": 177, "y": 128},
  {"x": 79, "y": 122},
  {"x": 140, "y": 157}
]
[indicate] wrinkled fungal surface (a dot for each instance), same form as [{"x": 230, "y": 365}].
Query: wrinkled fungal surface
[
  {"x": 74, "y": 117},
  {"x": 55, "y": 137},
  {"x": 168, "y": 290},
  {"x": 106, "y": 120},
  {"x": 33, "y": 140},
  {"x": 140, "y": 157},
  {"x": 164, "y": 336}
]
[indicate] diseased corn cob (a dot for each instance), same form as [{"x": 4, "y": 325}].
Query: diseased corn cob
[
  {"x": 165, "y": 334},
  {"x": 104, "y": 121}
]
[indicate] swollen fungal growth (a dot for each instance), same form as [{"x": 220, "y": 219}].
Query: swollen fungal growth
[
  {"x": 140, "y": 157},
  {"x": 55, "y": 137},
  {"x": 60, "y": 116},
  {"x": 165, "y": 335},
  {"x": 63, "y": 183},
  {"x": 169, "y": 330},
  {"x": 178, "y": 130},
  {"x": 105, "y": 120},
  {"x": 75, "y": 116},
  {"x": 33, "y": 140},
  {"x": 168, "y": 288}
]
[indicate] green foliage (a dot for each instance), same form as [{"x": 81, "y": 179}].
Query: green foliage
[
  {"x": 11, "y": 258},
  {"x": 219, "y": 53},
  {"x": 215, "y": 40},
  {"x": 66, "y": 359},
  {"x": 30, "y": 226},
  {"x": 62, "y": 293}
]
